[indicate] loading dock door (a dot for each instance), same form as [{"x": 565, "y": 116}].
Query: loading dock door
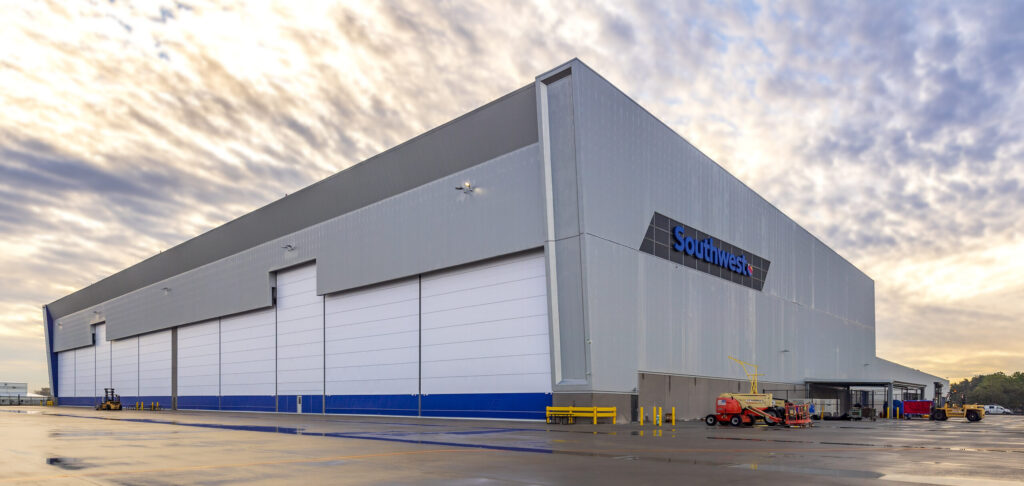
[
  {"x": 485, "y": 340},
  {"x": 66, "y": 376},
  {"x": 155, "y": 368},
  {"x": 102, "y": 360},
  {"x": 247, "y": 363},
  {"x": 199, "y": 366},
  {"x": 124, "y": 373},
  {"x": 300, "y": 341},
  {"x": 85, "y": 374},
  {"x": 372, "y": 340}
]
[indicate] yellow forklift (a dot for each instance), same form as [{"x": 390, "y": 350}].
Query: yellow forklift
[
  {"x": 946, "y": 408},
  {"x": 111, "y": 400}
]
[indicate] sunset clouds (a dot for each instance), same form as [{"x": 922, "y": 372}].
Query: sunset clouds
[{"x": 891, "y": 130}]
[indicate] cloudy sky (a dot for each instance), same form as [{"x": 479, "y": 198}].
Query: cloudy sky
[{"x": 894, "y": 131}]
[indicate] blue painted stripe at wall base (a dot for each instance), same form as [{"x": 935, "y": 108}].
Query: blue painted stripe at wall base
[
  {"x": 163, "y": 400},
  {"x": 78, "y": 401},
  {"x": 474, "y": 405},
  {"x": 199, "y": 403},
  {"x": 248, "y": 403},
  {"x": 487, "y": 405},
  {"x": 373, "y": 404}
]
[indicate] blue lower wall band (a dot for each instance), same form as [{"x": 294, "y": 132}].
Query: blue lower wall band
[
  {"x": 489, "y": 405},
  {"x": 373, "y": 404},
  {"x": 480, "y": 405},
  {"x": 248, "y": 403}
]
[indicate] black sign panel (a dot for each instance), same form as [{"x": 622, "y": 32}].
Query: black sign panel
[{"x": 674, "y": 241}]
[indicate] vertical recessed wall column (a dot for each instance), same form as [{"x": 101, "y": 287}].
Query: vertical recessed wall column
[{"x": 563, "y": 245}]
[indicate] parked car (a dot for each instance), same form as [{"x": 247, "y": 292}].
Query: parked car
[{"x": 996, "y": 409}]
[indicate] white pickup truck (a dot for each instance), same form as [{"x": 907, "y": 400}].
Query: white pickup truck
[{"x": 996, "y": 409}]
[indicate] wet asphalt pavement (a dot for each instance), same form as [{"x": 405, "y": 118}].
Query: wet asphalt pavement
[{"x": 65, "y": 445}]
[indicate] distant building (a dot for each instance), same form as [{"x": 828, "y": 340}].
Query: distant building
[
  {"x": 9, "y": 389},
  {"x": 559, "y": 245},
  {"x": 17, "y": 394}
]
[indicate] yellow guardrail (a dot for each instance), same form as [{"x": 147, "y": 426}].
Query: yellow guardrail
[{"x": 570, "y": 414}]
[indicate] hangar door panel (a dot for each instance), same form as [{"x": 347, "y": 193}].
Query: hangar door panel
[
  {"x": 66, "y": 374},
  {"x": 155, "y": 368},
  {"x": 102, "y": 360},
  {"x": 85, "y": 372},
  {"x": 247, "y": 367},
  {"x": 485, "y": 340},
  {"x": 372, "y": 360},
  {"x": 199, "y": 366},
  {"x": 124, "y": 372},
  {"x": 300, "y": 341}
]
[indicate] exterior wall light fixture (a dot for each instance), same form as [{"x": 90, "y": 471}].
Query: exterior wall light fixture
[
  {"x": 466, "y": 187},
  {"x": 167, "y": 290},
  {"x": 289, "y": 247}
]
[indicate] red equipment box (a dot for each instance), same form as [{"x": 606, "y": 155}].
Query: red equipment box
[{"x": 919, "y": 407}]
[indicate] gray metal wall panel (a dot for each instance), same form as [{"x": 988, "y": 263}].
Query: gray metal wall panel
[
  {"x": 572, "y": 329},
  {"x": 499, "y": 127},
  {"x": 563, "y": 158},
  {"x": 814, "y": 303},
  {"x": 652, "y": 315},
  {"x": 421, "y": 230},
  {"x": 434, "y": 227}
]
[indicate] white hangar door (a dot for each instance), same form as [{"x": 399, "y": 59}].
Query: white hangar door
[
  {"x": 199, "y": 366},
  {"x": 372, "y": 342},
  {"x": 247, "y": 363},
  {"x": 485, "y": 340},
  {"x": 66, "y": 377},
  {"x": 124, "y": 369},
  {"x": 102, "y": 360},
  {"x": 300, "y": 341},
  {"x": 85, "y": 375},
  {"x": 155, "y": 368}
]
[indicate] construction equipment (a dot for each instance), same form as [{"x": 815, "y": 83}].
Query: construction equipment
[
  {"x": 111, "y": 400},
  {"x": 747, "y": 408},
  {"x": 946, "y": 408}
]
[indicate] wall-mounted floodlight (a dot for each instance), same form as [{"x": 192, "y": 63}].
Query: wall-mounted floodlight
[
  {"x": 288, "y": 247},
  {"x": 465, "y": 187},
  {"x": 167, "y": 290},
  {"x": 784, "y": 351}
]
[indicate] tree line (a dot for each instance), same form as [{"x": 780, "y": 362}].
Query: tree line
[{"x": 994, "y": 389}]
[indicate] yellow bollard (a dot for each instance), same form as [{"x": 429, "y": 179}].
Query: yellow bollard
[
  {"x": 641, "y": 415},
  {"x": 595, "y": 415},
  {"x": 673, "y": 415}
]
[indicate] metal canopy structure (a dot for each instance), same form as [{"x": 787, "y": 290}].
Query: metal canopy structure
[{"x": 890, "y": 386}]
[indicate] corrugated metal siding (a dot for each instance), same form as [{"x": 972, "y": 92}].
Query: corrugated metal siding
[
  {"x": 814, "y": 304},
  {"x": 502, "y": 126},
  {"x": 424, "y": 229}
]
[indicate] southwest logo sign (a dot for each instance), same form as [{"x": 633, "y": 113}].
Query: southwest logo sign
[
  {"x": 706, "y": 250},
  {"x": 685, "y": 245}
]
